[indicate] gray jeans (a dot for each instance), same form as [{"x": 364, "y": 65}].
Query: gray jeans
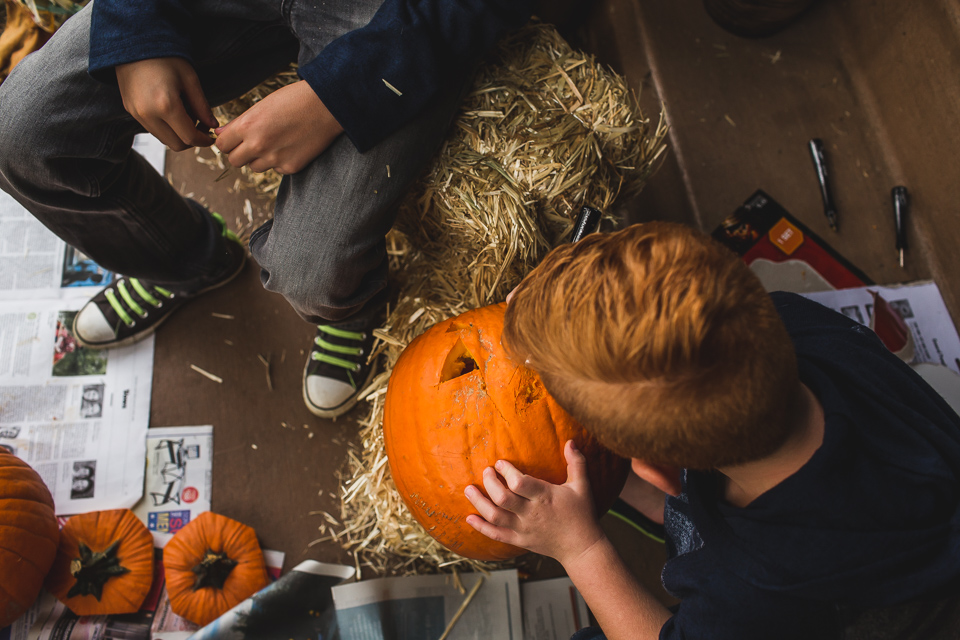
[{"x": 65, "y": 143}]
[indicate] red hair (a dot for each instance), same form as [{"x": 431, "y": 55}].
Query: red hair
[{"x": 662, "y": 343}]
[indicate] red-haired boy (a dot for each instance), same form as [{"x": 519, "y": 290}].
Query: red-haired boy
[{"x": 812, "y": 479}]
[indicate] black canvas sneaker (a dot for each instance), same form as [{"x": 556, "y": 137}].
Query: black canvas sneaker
[
  {"x": 131, "y": 309},
  {"x": 338, "y": 367}
]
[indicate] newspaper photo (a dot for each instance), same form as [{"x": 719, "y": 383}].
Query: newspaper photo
[
  {"x": 421, "y": 607},
  {"x": 552, "y": 609},
  {"x": 919, "y": 304},
  {"x": 178, "y": 479},
  {"x": 77, "y": 416},
  {"x": 35, "y": 263}
]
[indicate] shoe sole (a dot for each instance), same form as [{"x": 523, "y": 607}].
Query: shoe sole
[
  {"x": 137, "y": 337},
  {"x": 338, "y": 411}
]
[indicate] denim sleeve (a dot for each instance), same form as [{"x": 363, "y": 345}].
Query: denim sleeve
[
  {"x": 415, "y": 46},
  {"x": 122, "y": 31}
]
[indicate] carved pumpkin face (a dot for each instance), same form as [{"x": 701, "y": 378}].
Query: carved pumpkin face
[{"x": 455, "y": 405}]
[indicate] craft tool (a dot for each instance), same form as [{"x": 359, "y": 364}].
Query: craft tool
[
  {"x": 588, "y": 221},
  {"x": 901, "y": 206},
  {"x": 820, "y": 163}
]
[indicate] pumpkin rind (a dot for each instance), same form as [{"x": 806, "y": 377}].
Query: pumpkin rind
[
  {"x": 98, "y": 530},
  {"x": 455, "y": 405},
  {"x": 187, "y": 549},
  {"x": 28, "y": 536}
]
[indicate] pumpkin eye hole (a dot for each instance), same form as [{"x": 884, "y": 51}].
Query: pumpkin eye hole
[{"x": 459, "y": 362}]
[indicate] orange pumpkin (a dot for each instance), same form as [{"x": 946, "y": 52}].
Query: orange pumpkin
[
  {"x": 456, "y": 403},
  {"x": 28, "y": 536},
  {"x": 211, "y": 565},
  {"x": 104, "y": 564}
]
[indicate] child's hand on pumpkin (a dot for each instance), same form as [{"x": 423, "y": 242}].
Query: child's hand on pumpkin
[{"x": 549, "y": 519}]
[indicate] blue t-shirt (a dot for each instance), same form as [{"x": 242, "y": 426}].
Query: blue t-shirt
[
  {"x": 416, "y": 45},
  {"x": 872, "y": 519}
]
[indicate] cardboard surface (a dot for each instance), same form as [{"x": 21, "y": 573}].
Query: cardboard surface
[{"x": 874, "y": 80}]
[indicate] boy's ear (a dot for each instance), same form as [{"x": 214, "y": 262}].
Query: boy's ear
[{"x": 663, "y": 477}]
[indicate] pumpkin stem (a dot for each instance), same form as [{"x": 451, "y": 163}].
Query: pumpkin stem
[
  {"x": 213, "y": 570},
  {"x": 93, "y": 569}
]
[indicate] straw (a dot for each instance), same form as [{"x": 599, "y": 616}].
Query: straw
[{"x": 544, "y": 131}]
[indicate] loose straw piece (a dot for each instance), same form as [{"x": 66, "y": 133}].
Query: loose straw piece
[
  {"x": 207, "y": 374},
  {"x": 463, "y": 607},
  {"x": 266, "y": 364},
  {"x": 391, "y": 87},
  {"x": 222, "y": 315}
]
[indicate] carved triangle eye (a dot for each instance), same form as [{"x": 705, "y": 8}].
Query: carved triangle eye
[{"x": 459, "y": 362}]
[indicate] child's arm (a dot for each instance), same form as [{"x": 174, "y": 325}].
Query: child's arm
[{"x": 559, "y": 521}]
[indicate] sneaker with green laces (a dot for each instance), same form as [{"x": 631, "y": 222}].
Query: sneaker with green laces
[
  {"x": 131, "y": 309},
  {"x": 337, "y": 368}
]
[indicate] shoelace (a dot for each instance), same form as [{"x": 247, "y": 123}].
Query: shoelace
[
  {"x": 320, "y": 356},
  {"x": 227, "y": 233},
  {"x": 144, "y": 294},
  {"x": 142, "y": 291}
]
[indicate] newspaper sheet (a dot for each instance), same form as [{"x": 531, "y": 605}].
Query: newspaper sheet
[
  {"x": 178, "y": 481},
  {"x": 420, "y": 607},
  {"x": 77, "y": 416},
  {"x": 552, "y": 609},
  {"x": 34, "y": 263},
  {"x": 921, "y": 307},
  {"x": 297, "y": 606}
]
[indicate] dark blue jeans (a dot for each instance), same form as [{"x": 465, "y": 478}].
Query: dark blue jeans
[{"x": 65, "y": 143}]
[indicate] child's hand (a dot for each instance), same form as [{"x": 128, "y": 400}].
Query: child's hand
[
  {"x": 285, "y": 131},
  {"x": 549, "y": 519},
  {"x": 164, "y": 95}
]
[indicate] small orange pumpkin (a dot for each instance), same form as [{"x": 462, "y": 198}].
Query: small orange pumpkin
[
  {"x": 456, "y": 403},
  {"x": 104, "y": 564},
  {"x": 28, "y": 536},
  {"x": 211, "y": 565}
]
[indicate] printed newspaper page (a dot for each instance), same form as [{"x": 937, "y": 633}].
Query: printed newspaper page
[
  {"x": 552, "y": 609},
  {"x": 178, "y": 479},
  {"x": 78, "y": 416},
  {"x": 35, "y": 263},
  {"x": 921, "y": 307},
  {"x": 422, "y": 607}
]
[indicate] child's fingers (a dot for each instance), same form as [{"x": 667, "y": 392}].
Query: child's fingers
[
  {"x": 501, "y": 495},
  {"x": 576, "y": 464},
  {"x": 493, "y": 532},
  {"x": 490, "y": 512},
  {"x": 518, "y": 482},
  {"x": 227, "y": 138}
]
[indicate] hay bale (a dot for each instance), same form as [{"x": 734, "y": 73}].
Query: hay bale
[{"x": 544, "y": 131}]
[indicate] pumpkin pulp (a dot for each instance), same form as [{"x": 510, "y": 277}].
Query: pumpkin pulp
[
  {"x": 93, "y": 568},
  {"x": 213, "y": 570}
]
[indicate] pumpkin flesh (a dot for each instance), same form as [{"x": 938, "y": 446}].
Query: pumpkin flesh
[
  {"x": 28, "y": 536},
  {"x": 456, "y": 403}
]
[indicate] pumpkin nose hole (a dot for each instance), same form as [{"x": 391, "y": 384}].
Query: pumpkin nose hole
[{"x": 459, "y": 362}]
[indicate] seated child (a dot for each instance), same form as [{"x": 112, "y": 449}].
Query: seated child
[{"x": 812, "y": 479}]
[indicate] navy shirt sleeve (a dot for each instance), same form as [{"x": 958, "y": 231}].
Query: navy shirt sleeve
[
  {"x": 123, "y": 32},
  {"x": 415, "y": 46}
]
